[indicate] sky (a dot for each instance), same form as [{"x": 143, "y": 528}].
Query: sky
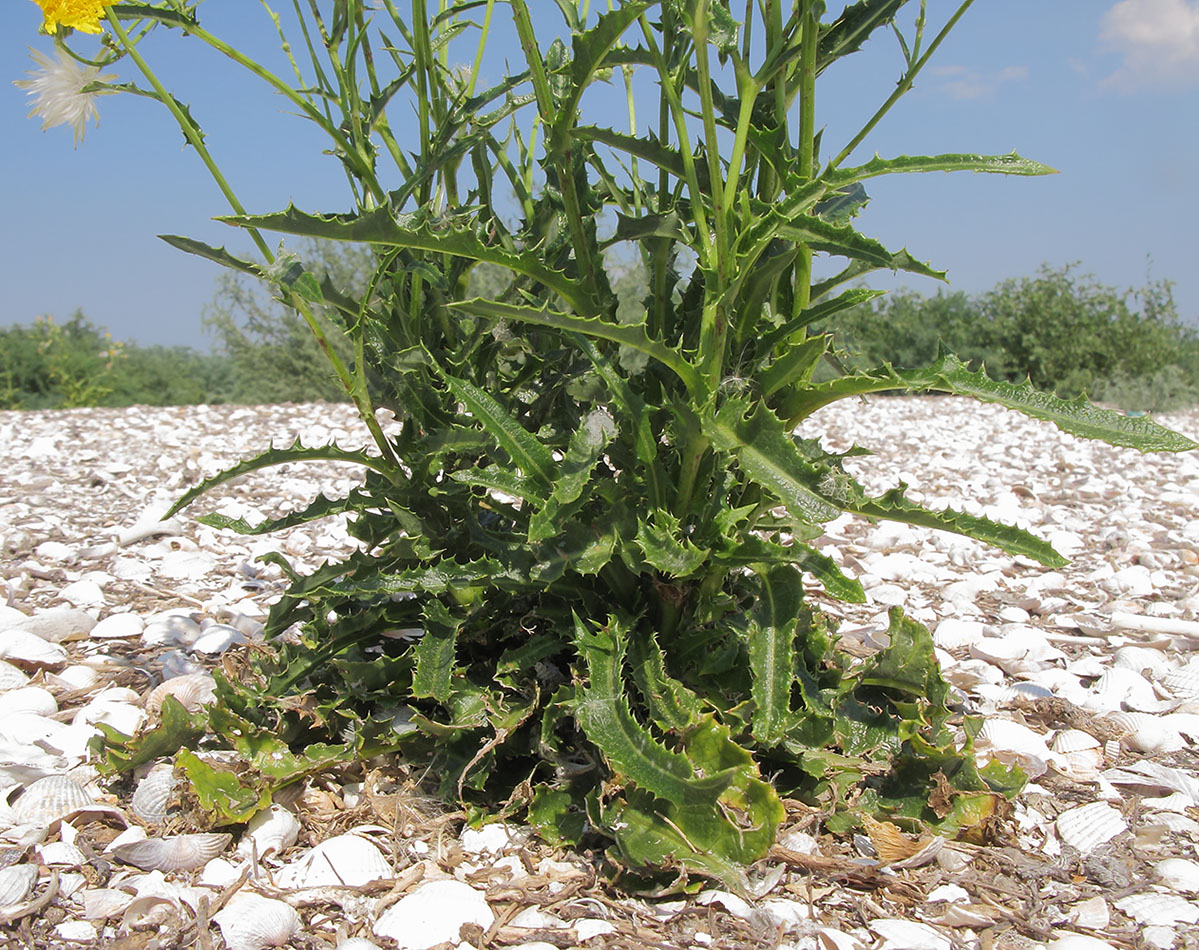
[{"x": 1105, "y": 92}]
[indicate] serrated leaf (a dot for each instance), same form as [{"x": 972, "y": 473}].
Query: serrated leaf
[
  {"x": 847, "y": 33},
  {"x": 178, "y": 729},
  {"x": 293, "y": 453},
  {"x": 435, "y": 653},
  {"x": 671, "y": 705},
  {"x": 772, "y": 623},
  {"x": 767, "y": 455},
  {"x": 1010, "y": 164},
  {"x": 825, "y": 570},
  {"x": 221, "y": 792},
  {"x": 660, "y": 544},
  {"x": 320, "y": 507},
  {"x": 383, "y": 226},
  {"x": 507, "y": 482}
]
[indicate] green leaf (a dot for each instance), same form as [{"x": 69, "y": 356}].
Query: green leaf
[
  {"x": 660, "y": 544},
  {"x": 530, "y": 456},
  {"x": 672, "y": 706},
  {"x": 382, "y": 226},
  {"x": 178, "y": 729},
  {"x": 628, "y": 334},
  {"x": 502, "y": 480},
  {"x": 586, "y": 446},
  {"x": 853, "y": 27},
  {"x": 825, "y": 569},
  {"x": 435, "y": 653},
  {"x": 293, "y": 453},
  {"x": 766, "y": 454},
  {"x": 1011, "y": 164},
  {"x": 221, "y": 792},
  {"x": 319, "y": 507},
  {"x": 772, "y": 623}
]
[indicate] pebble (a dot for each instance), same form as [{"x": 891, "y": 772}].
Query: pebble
[{"x": 96, "y": 585}]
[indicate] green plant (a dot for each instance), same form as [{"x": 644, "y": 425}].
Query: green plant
[
  {"x": 63, "y": 366},
  {"x": 580, "y": 591}
]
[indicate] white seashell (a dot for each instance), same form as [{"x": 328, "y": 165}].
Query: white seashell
[
  {"x": 1183, "y": 682},
  {"x": 61, "y": 854},
  {"x": 1150, "y": 908},
  {"x": 1087, "y": 827},
  {"x": 170, "y": 630},
  {"x": 103, "y": 902},
  {"x": 494, "y": 838},
  {"x": 1179, "y": 874},
  {"x": 1146, "y": 732},
  {"x": 24, "y": 649},
  {"x": 56, "y": 625},
  {"x": 26, "y": 727},
  {"x": 177, "y": 663},
  {"x": 153, "y": 794},
  {"x": 1139, "y": 659},
  {"x": 32, "y": 700},
  {"x": 1078, "y": 942},
  {"x": 49, "y": 799},
  {"x": 218, "y": 638},
  {"x": 178, "y": 853},
  {"x": 897, "y": 934},
  {"x": 11, "y": 677},
  {"x": 1007, "y": 653},
  {"x": 192, "y": 690},
  {"x": 22, "y": 763},
  {"x": 343, "y": 861},
  {"x": 118, "y": 627},
  {"x": 269, "y": 832},
  {"x": 433, "y": 913},
  {"x": 252, "y": 922},
  {"x": 1013, "y": 743},
  {"x": 358, "y": 943},
  {"x": 121, "y": 716},
  {"x": 1091, "y": 914},
  {"x": 1123, "y": 688},
  {"x": 16, "y": 882},
  {"x": 75, "y": 677}
]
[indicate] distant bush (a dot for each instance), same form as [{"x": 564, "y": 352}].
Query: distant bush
[
  {"x": 52, "y": 365},
  {"x": 1066, "y": 332}
]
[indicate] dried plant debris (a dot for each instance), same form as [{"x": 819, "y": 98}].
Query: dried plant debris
[{"x": 1100, "y": 850}]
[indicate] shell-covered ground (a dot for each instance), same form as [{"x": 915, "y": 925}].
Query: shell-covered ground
[{"x": 1087, "y": 676}]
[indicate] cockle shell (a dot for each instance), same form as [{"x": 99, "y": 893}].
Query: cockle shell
[
  {"x": 101, "y": 903},
  {"x": 344, "y": 861},
  {"x": 434, "y": 913},
  {"x": 171, "y": 630},
  {"x": 118, "y": 627},
  {"x": 1080, "y": 754},
  {"x": 24, "y": 649},
  {"x": 16, "y": 881},
  {"x": 33, "y": 700},
  {"x": 11, "y": 677},
  {"x": 75, "y": 677},
  {"x": 1184, "y": 681},
  {"x": 1178, "y": 874},
  {"x": 1145, "y": 732},
  {"x": 49, "y": 799},
  {"x": 178, "y": 853},
  {"x": 217, "y": 638},
  {"x": 269, "y": 832},
  {"x": 1140, "y": 659},
  {"x": 1150, "y": 908},
  {"x": 252, "y": 922},
  {"x": 153, "y": 794},
  {"x": 1014, "y": 743},
  {"x": 1087, "y": 827},
  {"x": 192, "y": 690}
]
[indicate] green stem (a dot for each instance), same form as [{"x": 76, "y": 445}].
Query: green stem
[
  {"x": 901, "y": 89},
  {"x": 807, "y": 148}
]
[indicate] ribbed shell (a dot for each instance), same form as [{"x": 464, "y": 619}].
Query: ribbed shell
[
  {"x": 192, "y": 690},
  {"x": 16, "y": 881},
  {"x": 153, "y": 794},
  {"x": 344, "y": 861},
  {"x": 252, "y": 922},
  {"x": 178, "y": 853},
  {"x": 50, "y": 798},
  {"x": 1087, "y": 827}
]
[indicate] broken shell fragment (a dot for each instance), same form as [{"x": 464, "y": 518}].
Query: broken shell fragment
[
  {"x": 153, "y": 794},
  {"x": 1178, "y": 874},
  {"x": 178, "y": 853},
  {"x": 15, "y": 883},
  {"x": 49, "y": 799},
  {"x": 269, "y": 832},
  {"x": 344, "y": 861}
]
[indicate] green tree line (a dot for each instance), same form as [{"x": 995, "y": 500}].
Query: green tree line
[{"x": 1063, "y": 329}]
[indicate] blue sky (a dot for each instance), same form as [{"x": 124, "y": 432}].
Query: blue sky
[{"x": 1106, "y": 92}]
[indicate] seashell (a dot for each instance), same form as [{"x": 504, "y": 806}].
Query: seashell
[
  {"x": 49, "y": 799},
  {"x": 26, "y": 727},
  {"x": 118, "y": 627},
  {"x": 22, "y": 763},
  {"x": 1150, "y": 908},
  {"x": 153, "y": 794},
  {"x": 170, "y": 630},
  {"x": 26, "y": 650},
  {"x": 31, "y": 700},
  {"x": 103, "y": 902},
  {"x": 359, "y": 943},
  {"x": 61, "y": 854},
  {"x": 1080, "y": 754},
  {"x": 1145, "y": 732},
  {"x": 1140, "y": 659},
  {"x": 1121, "y": 688},
  {"x": 11, "y": 677},
  {"x": 434, "y": 913},
  {"x": 898, "y": 934},
  {"x": 272, "y": 831},
  {"x": 177, "y": 853},
  {"x": 58, "y": 624},
  {"x": 344, "y": 861},
  {"x": 16, "y": 882},
  {"x": 75, "y": 677},
  {"x": 1087, "y": 827},
  {"x": 1178, "y": 874},
  {"x": 1013, "y": 743},
  {"x": 192, "y": 690},
  {"x": 252, "y": 922},
  {"x": 1074, "y": 740},
  {"x": 218, "y": 638},
  {"x": 1184, "y": 681},
  {"x": 120, "y": 715},
  {"x": 177, "y": 663},
  {"x": 1078, "y": 942},
  {"x": 1091, "y": 914},
  {"x": 1007, "y": 653}
]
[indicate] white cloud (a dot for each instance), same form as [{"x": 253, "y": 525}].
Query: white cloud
[
  {"x": 962, "y": 82},
  {"x": 1158, "y": 40}
]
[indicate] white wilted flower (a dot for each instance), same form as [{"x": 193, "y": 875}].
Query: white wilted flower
[{"x": 58, "y": 86}]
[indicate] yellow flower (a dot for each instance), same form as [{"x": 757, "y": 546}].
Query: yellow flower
[{"x": 82, "y": 15}]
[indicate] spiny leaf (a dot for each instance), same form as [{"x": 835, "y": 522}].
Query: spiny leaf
[
  {"x": 293, "y": 453},
  {"x": 435, "y": 653},
  {"x": 1011, "y": 164},
  {"x": 319, "y": 507},
  {"x": 765, "y": 452},
  {"x": 659, "y": 542},
  {"x": 852, "y": 28},
  {"x": 671, "y": 705},
  {"x": 628, "y": 334},
  {"x": 772, "y": 651},
  {"x": 383, "y": 226},
  {"x": 503, "y": 480},
  {"x": 533, "y": 458}
]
